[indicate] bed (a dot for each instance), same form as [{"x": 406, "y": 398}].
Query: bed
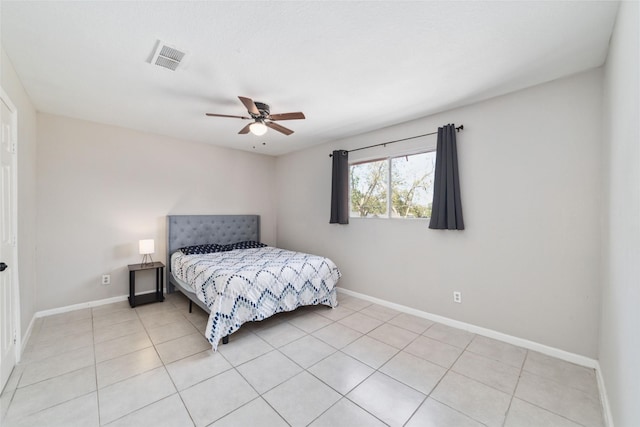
[{"x": 242, "y": 283}]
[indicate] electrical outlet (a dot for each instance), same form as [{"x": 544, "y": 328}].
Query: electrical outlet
[
  {"x": 106, "y": 279},
  {"x": 457, "y": 297}
]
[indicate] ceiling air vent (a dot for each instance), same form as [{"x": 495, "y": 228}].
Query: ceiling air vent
[{"x": 167, "y": 56}]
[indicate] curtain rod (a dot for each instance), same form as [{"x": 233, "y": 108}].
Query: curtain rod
[{"x": 458, "y": 128}]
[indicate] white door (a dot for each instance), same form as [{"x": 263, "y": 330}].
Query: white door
[{"x": 8, "y": 278}]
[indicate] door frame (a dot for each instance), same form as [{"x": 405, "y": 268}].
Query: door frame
[{"x": 15, "y": 279}]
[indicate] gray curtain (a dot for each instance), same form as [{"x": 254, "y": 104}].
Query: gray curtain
[
  {"x": 446, "y": 213},
  {"x": 340, "y": 188}
]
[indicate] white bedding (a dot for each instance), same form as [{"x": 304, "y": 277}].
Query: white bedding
[{"x": 252, "y": 284}]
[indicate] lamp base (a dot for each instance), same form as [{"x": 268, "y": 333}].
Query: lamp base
[{"x": 146, "y": 260}]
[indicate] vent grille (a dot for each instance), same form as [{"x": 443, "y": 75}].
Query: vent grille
[{"x": 167, "y": 57}]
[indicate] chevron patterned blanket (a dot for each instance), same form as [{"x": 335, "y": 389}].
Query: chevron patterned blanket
[{"x": 252, "y": 284}]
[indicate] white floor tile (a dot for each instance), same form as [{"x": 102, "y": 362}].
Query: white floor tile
[
  {"x": 307, "y": 351},
  {"x": 61, "y": 345},
  {"x": 341, "y": 372},
  {"x": 63, "y": 318},
  {"x": 216, "y": 397},
  {"x": 159, "y": 319},
  {"x": 395, "y": 336},
  {"x": 279, "y": 334},
  {"x": 434, "y": 351},
  {"x": 488, "y": 371},
  {"x": 51, "y": 392},
  {"x": 124, "y": 397},
  {"x": 380, "y": 312},
  {"x": 472, "y": 398},
  {"x": 110, "y": 308},
  {"x": 568, "y": 402},
  {"x": 352, "y": 303},
  {"x": 335, "y": 314},
  {"x": 171, "y": 331},
  {"x": 411, "y": 323},
  {"x": 114, "y": 317},
  {"x": 182, "y": 347},
  {"x": 123, "y": 367},
  {"x": 497, "y": 350},
  {"x": 79, "y": 412},
  {"x": 301, "y": 399},
  {"x": 448, "y": 335},
  {"x": 123, "y": 345},
  {"x": 345, "y": 413},
  {"x": 57, "y": 365},
  {"x": 197, "y": 368},
  {"x": 523, "y": 414},
  {"x": 361, "y": 323},
  {"x": 310, "y": 322},
  {"x": 387, "y": 399},
  {"x": 244, "y": 346},
  {"x": 268, "y": 371},
  {"x": 434, "y": 414},
  {"x": 255, "y": 413},
  {"x": 117, "y": 330},
  {"x": 337, "y": 335},
  {"x": 414, "y": 371},
  {"x": 168, "y": 412},
  {"x": 372, "y": 352},
  {"x": 566, "y": 373}
]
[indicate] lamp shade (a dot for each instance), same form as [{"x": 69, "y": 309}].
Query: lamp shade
[
  {"x": 147, "y": 246},
  {"x": 258, "y": 128}
]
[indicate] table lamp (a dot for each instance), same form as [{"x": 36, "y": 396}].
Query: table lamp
[{"x": 147, "y": 247}]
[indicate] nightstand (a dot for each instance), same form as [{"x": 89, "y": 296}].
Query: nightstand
[{"x": 157, "y": 296}]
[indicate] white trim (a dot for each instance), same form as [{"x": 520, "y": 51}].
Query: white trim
[
  {"x": 490, "y": 333},
  {"x": 80, "y": 306},
  {"x": 27, "y": 335},
  {"x": 89, "y": 304},
  {"x": 4, "y": 97},
  {"x": 604, "y": 399}
]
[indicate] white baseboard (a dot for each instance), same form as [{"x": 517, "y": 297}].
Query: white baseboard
[
  {"x": 604, "y": 399},
  {"x": 25, "y": 338},
  {"x": 490, "y": 333},
  {"x": 89, "y": 304}
]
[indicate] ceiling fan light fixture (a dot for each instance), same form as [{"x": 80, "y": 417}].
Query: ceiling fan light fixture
[{"x": 258, "y": 128}]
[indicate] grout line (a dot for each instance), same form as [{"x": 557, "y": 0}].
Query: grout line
[{"x": 506, "y": 413}]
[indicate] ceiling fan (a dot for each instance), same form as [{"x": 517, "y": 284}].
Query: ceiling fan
[{"x": 262, "y": 118}]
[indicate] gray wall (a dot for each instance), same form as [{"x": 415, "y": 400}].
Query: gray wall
[
  {"x": 527, "y": 264},
  {"x": 26, "y": 189},
  {"x": 102, "y": 188},
  {"x": 620, "y": 325}
]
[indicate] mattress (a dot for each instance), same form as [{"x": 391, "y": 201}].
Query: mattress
[{"x": 253, "y": 284}]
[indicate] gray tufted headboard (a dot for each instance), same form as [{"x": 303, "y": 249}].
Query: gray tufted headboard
[{"x": 189, "y": 230}]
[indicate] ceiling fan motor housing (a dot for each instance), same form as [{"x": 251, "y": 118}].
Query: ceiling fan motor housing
[{"x": 263, "y": 108}]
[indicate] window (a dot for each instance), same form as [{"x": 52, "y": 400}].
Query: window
[{"x": 394, "y": 187}]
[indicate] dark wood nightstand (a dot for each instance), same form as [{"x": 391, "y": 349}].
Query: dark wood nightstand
[{"x": 157, "y": 296}]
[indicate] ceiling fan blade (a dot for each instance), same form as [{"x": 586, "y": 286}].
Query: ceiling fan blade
[
  {"x": 287, "y": 116},
  {"x": 279, "y": 128},
  {"x": 245, "y": 129},
  {"x": 226, "y": 115},
  {"x": 251, "y": 106}
]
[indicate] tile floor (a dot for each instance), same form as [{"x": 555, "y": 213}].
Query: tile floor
[{"x": 357, "y": 365}]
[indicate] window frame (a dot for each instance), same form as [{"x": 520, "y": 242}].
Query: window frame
[{"x": 388, "y": 159}]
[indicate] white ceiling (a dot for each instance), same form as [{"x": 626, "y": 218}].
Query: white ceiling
[{"x": 350, "y": 66}]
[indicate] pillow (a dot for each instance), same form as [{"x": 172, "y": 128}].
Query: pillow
[
  {"x": 249, "y": 244},
  {"x": 204, "y": 249}
]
